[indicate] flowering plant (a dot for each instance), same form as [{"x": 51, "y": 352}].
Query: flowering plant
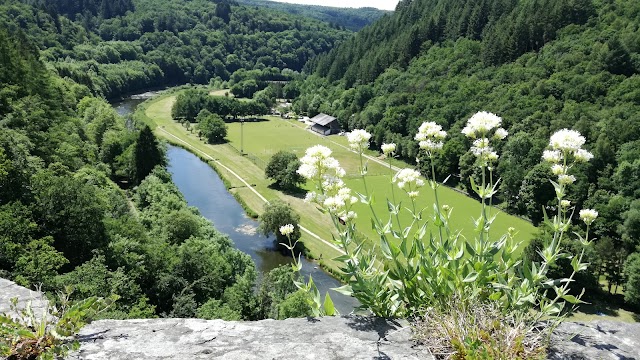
[
  {"x": 317, "y": 306},
  {"x": 415, "y": 267}
]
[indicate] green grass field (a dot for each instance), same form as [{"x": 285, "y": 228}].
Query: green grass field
[{"x": 264, "y": 138}]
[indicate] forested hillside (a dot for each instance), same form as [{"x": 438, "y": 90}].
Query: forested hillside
[
  {"x": 348, "y": 18},
  {"x": 119, "y": 47},
  {"x": 540, "y": 65},
  {"x": 86, "y": 204}
]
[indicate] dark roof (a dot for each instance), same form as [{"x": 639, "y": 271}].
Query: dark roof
[{"x": 322, "y": 119}]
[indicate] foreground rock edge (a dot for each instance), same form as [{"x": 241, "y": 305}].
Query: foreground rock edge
[
  {"x": 352, "y": 337},
  {"x": 348, "y": 337}
]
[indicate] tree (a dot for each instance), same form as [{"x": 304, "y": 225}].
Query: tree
[
  {"x": 295, "y": 305},
  {"x": 147, "y": 154},
  {"x": 39, "y": 263},
  {"x": 181, "y": 225},
  {"x": 282, "y": 168},
  {"x": 277, "y": 214},
  {"x": 71, "y": 212},
  {"x": 216, "y": 309},
  {"x": 212, "y": 127},
  {"x": 632, "y": 274},
  {"x": 536, "y": 192},
  {"x": 275, "y": 287}
]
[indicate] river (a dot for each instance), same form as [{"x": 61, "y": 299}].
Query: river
[{"x": 203, "y": 189}]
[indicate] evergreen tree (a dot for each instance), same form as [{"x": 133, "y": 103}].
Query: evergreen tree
[{"x": 147, "y": 154}]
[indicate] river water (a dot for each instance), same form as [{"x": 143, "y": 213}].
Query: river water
[{"x": 203, "y": 189}]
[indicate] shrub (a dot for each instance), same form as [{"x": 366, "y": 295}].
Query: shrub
[{"x": 50, "y": 335}]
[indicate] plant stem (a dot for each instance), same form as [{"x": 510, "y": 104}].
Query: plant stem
[
  {"x": 435, "y": 194},
  {"x": 393, "y": 195},
  {"x": 366, "y": 192}
]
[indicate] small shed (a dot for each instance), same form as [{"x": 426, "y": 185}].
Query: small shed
[{"x": 325, "y": 124}]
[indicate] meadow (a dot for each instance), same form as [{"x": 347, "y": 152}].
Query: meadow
[{"x": 263, "y": 138}]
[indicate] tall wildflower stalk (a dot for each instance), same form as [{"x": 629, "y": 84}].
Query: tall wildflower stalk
[{"x": 427, "y": 265}]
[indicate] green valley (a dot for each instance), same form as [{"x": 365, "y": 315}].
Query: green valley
[{"x": 478, "y": 173}]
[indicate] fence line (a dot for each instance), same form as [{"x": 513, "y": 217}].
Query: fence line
[{"x": 253, "y": 158}]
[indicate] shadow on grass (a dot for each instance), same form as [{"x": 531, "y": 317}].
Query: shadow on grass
[
  {"x": 295, "y": 192},
  {"x": 247, "y": 120},
  {"x": 608, "y": 305}
]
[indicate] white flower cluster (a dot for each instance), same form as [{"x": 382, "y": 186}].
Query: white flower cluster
[
  {"x": 286, "y": 230},
  {"x": 565, "y": 145},
  {"x": 319, "y": 166},
  {"x": 336, "y": 198},
  {"x": 588, "y": 216},
  {"x": 409, "y": 180},
  {"x": 482, "y": 149},
  {"x": 431, "y": 136},
  {"x": 567, "y": 140},
  {"x": 481, "y": 123},
  {"x": 358, "y": 140},
  {"x": 388, "y": 149},
  {"x": 479, "y": 127},
  {"x": 317, "y": 162}
]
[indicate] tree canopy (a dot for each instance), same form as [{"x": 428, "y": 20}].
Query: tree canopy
[
  {"x": 277, "y": 214},
  {"x": 282, "y": 168},
  {"x": 211, "y": 127},
  {"x": 118, "y": 47}
]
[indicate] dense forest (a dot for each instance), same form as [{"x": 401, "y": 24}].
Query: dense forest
[
  {"x": 86, "y": 203},
  {"x": 347, "y": 18},
  {"x": 117, "y": 47},
  {"x": 540, "y": 65}
]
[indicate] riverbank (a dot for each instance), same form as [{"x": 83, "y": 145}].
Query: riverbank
[
  {"x": 264, "y": 138},
  {"x": 243, "y": 178}
]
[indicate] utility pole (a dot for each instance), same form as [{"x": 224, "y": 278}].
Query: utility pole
[{"x": 241, "y": 136}]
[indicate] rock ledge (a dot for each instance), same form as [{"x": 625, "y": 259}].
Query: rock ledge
[
  {"x": 325, "y": 338},
  {"x": 349, "y": 337}
]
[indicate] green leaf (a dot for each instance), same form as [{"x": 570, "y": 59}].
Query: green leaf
[
  {"x": 572, "y": 299},
  {"x": 459, "y": 255},
  {"x": 385, "y": 248},
  {"x": 578, "y": 266},
  {"x": 471, "y": 277},
  {"x": 403, "y": 247},
  {"x": 344, "y": 290},
  {"x": 392, "y": 208},
  {"x": 470, "y": 249},
  {"x": 341, "y": 258},
  {"x": 329, "y": 308},
  {"x": 405, "y": 232}
]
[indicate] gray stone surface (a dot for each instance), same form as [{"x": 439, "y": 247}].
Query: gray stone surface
[
  {"x": 9, "y": 290},
  {"x": 352, "y": 337},
  {"x": 596, "y": 340},
  {"x": 324, "y": 338}
]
